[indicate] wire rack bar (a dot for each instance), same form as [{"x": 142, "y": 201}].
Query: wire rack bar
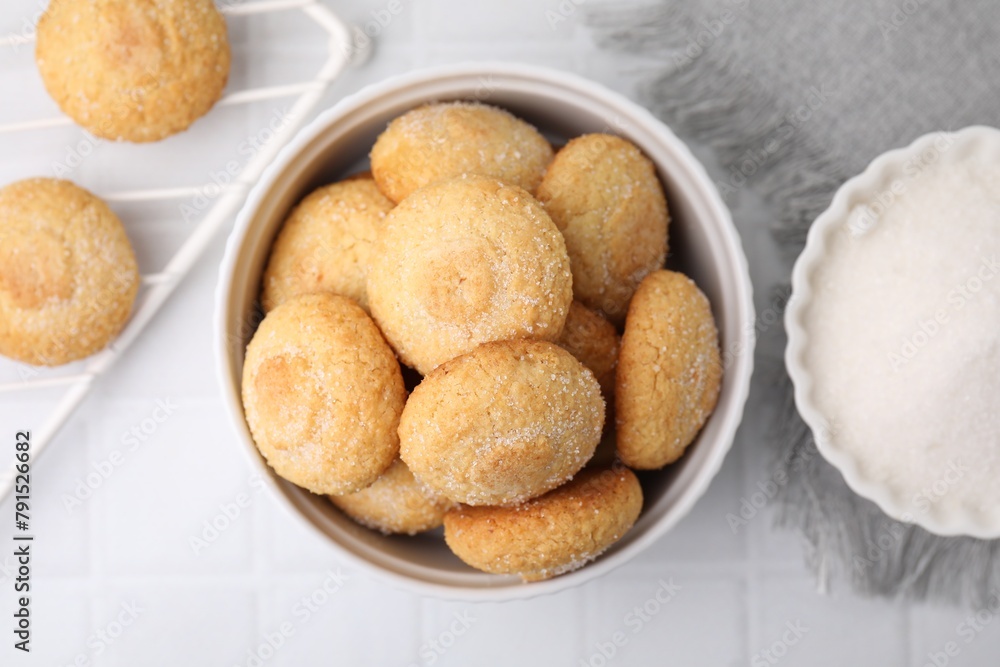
[
  {"x": 42, "y": 383},
  {"x": 263, "y": 6},
  {"x": 154, "y": 194},
  {"x": 247, "y": 9},
  {"x": 233, "y": 99}
]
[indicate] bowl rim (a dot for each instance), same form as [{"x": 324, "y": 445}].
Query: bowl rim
[
  {"x": 738, "y": 373},
  {"x": 860, "y": 188}
]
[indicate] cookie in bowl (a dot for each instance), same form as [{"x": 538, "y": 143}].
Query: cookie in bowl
[
  {"x": 436, "y": 142},
  {"x": 325, "y": 244},
  {"x": 669, "y": 371},
  {"x": 502, "y": 424},
  {"x": 395, "y": 503},
  {"x": 463, "y": 262},
  {"x": 551, "y": 535},
  {"x": 323, "y": 394},
  {"x": 604, "y": 195}
]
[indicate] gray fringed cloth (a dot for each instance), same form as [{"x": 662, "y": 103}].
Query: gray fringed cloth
[{"x": 795, "y": 98}]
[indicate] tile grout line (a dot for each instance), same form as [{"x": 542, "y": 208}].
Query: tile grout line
[
  {"x": 640, "y": 573},
  {"x": 753, "y": 630},
  {"x": 419, "y": 33},
  {"x": 752, "y": 569},
  {"x": 423, "y": 611},
  {"x": 727, "y": 567},
  {"x": 95, "y": 581},
  {"x": 583, "y": 619},
  {"x": 908, "y": 642},
  {"x": 263, "y": 583},
  {"x": 255, "y": 32},
  {"x": 581, "y": 45}
]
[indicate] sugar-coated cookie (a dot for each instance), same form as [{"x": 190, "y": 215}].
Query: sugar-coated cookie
[
  {"x": 133, "y": 70},
  {"x": 603, "y": 193},
  {"x": 589, "y": 337},
  {"x": 502, "y": 424},
  {"x": 463, "y": 262},
  {"x": 669, "y": 371},
  {"x": 395, "y": 503},
  {"x": 326, "y": 242},
  {"x": 323, "y": 393},
  {"x": 556, "y": 533},
  {"x": 68, "y": 275},
  {"x": 439, "y": 141}
]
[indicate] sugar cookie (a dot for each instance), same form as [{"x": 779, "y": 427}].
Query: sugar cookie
[
  {"x": 463, "y": 262},
  {"x": 669, "y": 371},
  {"x": 68, "y": 275},
  {"x": 325, "y": 244},
  {"x": 553, "y": 534},
  {"x": 439, "y": 141},
  {"x": 395, "y": 503},
  {"x": 323, "y": 393},
  {"x": 133, "y": 70},
  {"x": 603, "y": 193},
  {"x": 589, "y": 337},
  {"x": 506, "y": 422}
]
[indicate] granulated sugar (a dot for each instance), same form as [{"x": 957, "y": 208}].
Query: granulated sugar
[{"x": 904, "y": 339}]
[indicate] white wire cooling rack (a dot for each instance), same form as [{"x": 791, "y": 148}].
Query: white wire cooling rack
[{"x": 158, "y": 286}]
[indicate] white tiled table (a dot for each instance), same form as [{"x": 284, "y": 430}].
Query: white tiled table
[{"x": 129, "y": 543}]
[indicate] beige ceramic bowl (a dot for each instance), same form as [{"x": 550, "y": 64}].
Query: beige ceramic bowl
[{"x": 703, "y": 242}]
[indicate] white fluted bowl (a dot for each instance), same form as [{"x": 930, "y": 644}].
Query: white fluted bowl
[{"x": 883, "y": 176}]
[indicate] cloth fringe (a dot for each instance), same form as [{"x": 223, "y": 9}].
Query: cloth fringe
[{"x": 709, "y": 96}]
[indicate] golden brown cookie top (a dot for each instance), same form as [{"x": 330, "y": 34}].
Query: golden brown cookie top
[
  {"x": 669, "y": 370},
  {"x": 467, "y": 261},
  {"x": 326, "y": 242},
  {"x": 395, "y": 503},
  {"x": 439, "y": 141},
  {"x": 550, "y": 535},
  {"x": 138, "y": 70},
  {"x": 322, "y": 393},
  {"x": 604, "y": 195},
  {"x": 68, "y": 275},
  {"x": 506, "y": 422}
]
